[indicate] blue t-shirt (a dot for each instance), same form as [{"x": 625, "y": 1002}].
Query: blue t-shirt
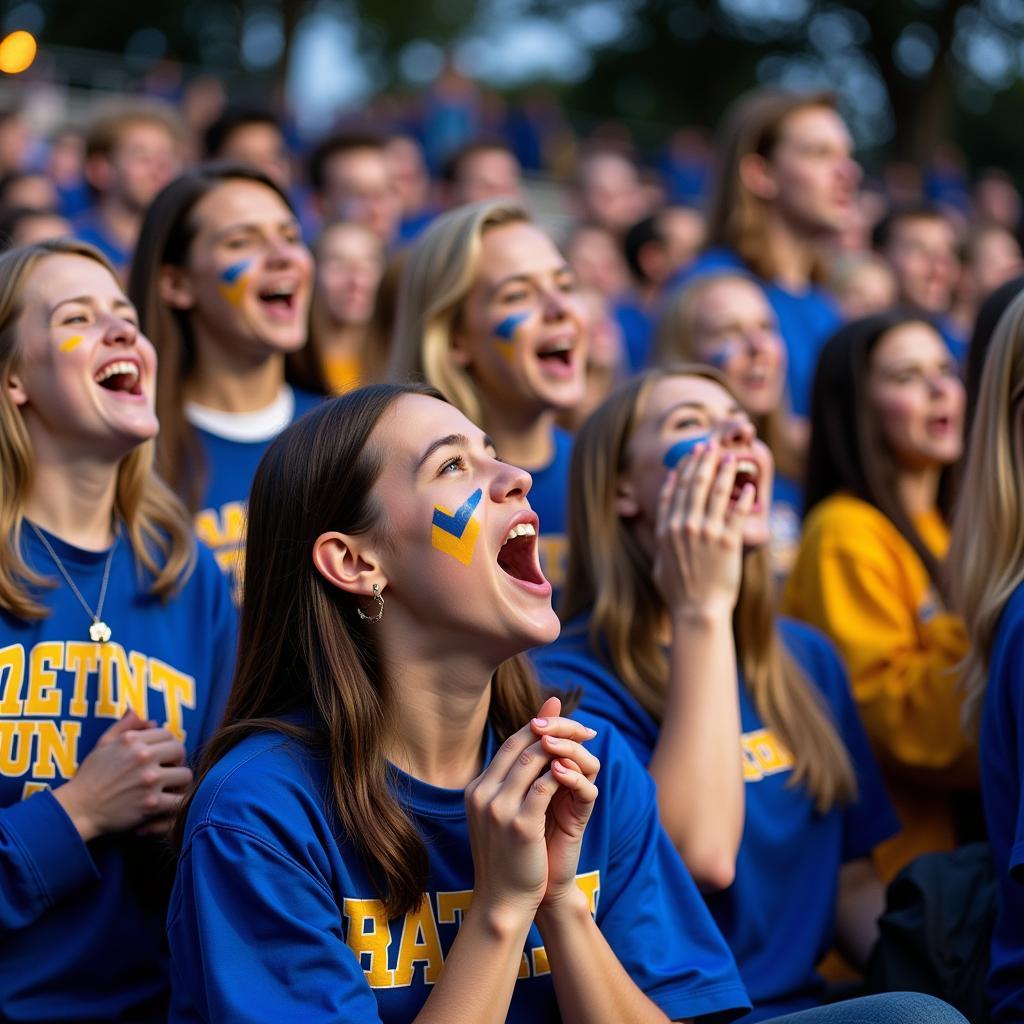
[
  {"x": 82, "y": 925},
  {"x": 1001, "y": 749},
  {"x": 778, "y": 915},
  {"x": 230, "y": 466},
  {"x": 273, "y": 916},
  {"x": 637, "y": 331},
  {"x": 549, "y": 498},
  {"x": 785, "y": 521},
  {"x": 806, "y": 321}
]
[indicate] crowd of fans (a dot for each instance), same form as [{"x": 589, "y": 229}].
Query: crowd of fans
[{"x": 748, "y": 418}]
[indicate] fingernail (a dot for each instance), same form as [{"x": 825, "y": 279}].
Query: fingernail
[
  {"x": 591, "y": 733},
  {"x": 558, "y": 766},
  {"x": 540, "y": 722},
  {"x": 726, "y": 459}
]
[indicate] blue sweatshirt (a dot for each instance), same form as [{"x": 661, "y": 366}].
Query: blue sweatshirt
[
  {"x": 81, "y": 925},
  {"x": 778, "y": 915},
  {"x": 1001, "y": 748},
  {"x": 549, "y": 498},
  {"x": 230, "y": 466},
  {"x": 273, "y": 917}
]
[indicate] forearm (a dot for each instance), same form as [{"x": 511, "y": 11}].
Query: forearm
[
  {"x": 480, "y": 970},
  {"x": 590, "y": 984},
  {"x": 697, "y": 761}
]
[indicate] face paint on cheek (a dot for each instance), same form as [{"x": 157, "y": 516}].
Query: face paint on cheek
[
  {"x": 232, "y": 281},
  {"x": 504, "y": 334},
  {"x": 722, "y": 356},
  {"x": 455, "y": 533},
  {"x": 681, "y": 449},
  {"x": 72, "y": 343}
]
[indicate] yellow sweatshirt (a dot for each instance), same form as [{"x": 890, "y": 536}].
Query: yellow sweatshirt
[{"x": 858, "y": 580}]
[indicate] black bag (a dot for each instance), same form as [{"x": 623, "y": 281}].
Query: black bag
[{"x": 935, "y": 933}]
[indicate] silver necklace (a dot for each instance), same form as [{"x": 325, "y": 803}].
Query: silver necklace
[{"x": 99, "y": 631}]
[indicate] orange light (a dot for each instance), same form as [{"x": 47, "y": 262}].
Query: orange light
[{"x": 17, "y": 51}]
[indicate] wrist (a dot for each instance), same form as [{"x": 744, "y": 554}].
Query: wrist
[
  {"x": 570, "y": 908},
  {"x": 503, "y": 921},
  {"x": 84, "y": 825},
  {"x": 702, "y": 615}
]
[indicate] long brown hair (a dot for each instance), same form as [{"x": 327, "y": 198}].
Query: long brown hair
[
  {"x": 752, "y": 126},
  {"x": 156, "y": 523},
  {"x": 986, "y": 554},
  {"x": 610, "y": 578},
  {"x": 165, "y": 240},
  {"x": 303, "y": 646},
  {"x": 675, "y": 341}
]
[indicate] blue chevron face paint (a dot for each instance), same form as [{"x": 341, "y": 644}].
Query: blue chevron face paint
[
  {"x": 504, "y": 334},
  {"x": 233, "y": 281},
  {"x": 455, "y": 533},
  {"x": 681, "y": 449}
]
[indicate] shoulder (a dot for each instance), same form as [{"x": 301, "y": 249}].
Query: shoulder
[
  {"x": 843, "y": 521},
  {"x": 1008, "y": 642},
  {"x": 269, "y": 786},
  {"x": 563, "y": 445},
  {"x": 816, "y": 655},
  {"x": 304, "y": 401}
]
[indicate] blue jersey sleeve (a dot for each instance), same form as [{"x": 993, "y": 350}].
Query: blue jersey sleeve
[
  {"x": 650, "y": 910},
  {"x": 42, "y": 860},
  {"x": 254, "y": 928}
]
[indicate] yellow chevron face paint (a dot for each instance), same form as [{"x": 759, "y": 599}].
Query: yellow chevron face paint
[
  {"x": 233, "y": 280},
  {"x": 455, "y": 533},
  {"x": 72, "y": 343}
]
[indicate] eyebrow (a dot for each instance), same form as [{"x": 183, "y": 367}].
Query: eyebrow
[
  {"x": 289, "y": 222},
  {"x": 451, "y": 441},
  {"x": 88, "y": 300},
  {"x": 697, "y": 406},
  {"x": 563, "y": 268}
]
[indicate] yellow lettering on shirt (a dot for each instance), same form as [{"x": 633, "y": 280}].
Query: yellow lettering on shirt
[
  {"x": 82, "y": 659},
  {"x": 56, "y": 749},
  {"x": 420, "y": 945},
  {"x": 12, "y": 678},
  {"x": 223, "y": 531},
  {"x": 452, "y": 906},
  {"x": 374, "y": 943},
  {"x": 178, "y": 689},
  {"x": 763, "y": 754},
  {"x": 16, "y": 747},
  {"x": 554, "y": 557}
]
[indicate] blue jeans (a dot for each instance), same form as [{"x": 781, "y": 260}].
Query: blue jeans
[{"x": 891, "y": 1008}]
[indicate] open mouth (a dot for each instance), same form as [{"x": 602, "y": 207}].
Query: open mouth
[
  {"x": 122, "y": 376},
  {"x": 746, "y": 473},
  {"x": 280, "y": 299},
  {"x": 518, "y": 556},
  {"x": 559, "y": 357}
]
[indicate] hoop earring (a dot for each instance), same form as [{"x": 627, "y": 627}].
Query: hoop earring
[{"x": 380, "y": 606}]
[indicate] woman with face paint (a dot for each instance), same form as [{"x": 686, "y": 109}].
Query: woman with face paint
[
  {"x": 671, "y": 635},
  {"x": 390, "y": 793},
  {"x": 987, "y": 570},
  {"x": 488, "y": 313},
  {"x": 886, "y": 422},
  {"x": 222, "y": 282},
  {"x": 723, "y": 319},
  {"x": 116, "y": 647}
]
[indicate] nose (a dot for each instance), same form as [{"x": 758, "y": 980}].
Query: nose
[
  {"x": 120, "y": 331},
  {"x": 736, "y": 432},
  {"x": 557, "y": 304},
  {"x": 509, "y": 482}
]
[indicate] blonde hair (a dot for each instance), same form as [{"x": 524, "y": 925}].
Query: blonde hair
[
  {"x": 986, "y": 554},
  {"x": 439, "y": 273},
  {"x": 610, "y": 576},
  {"x": 155, "y": 521},
  {"x": 675, "y": 341}
]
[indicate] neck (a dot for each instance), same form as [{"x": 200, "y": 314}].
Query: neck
[
  {"x": 229, "y": 384},
  {"x": 441, "y": 717},
  {"x": 74, "y": 500},
  {"x": 793, "y": 252},
  {"x": 919, "y": 489},
  {"x": 341, "y": 340},
  {"x": 522, "y": 437},
  {"x": 123, "y": 222}
]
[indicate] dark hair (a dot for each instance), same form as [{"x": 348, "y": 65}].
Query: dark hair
[
  {"x": 642, "y": 233},
  {"x": 989, "y": 315},
  {"x": 12, "y": 218},
  {"x": 453, "y": 164},
  {"x": 848, "y": 452},
  {"x": 303, "y": 648},
  {"x": 230, "y": 121},
  {"x": 882, "y": 232},
  {"x": 12, "y": 178},
  {"x": 336, "y": 145},
  {"x": 165, "y": 240}
]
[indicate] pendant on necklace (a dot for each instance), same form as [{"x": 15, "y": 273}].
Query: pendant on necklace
[{"x": 99, "y": 632}]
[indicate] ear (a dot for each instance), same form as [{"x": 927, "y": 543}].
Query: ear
[
  {"x": 16, "y": 389},
  {"x": 757, "y": 176},
  {"x": 348, "y": 563},
  {"x": 460, "y": 351},
  {"x": 174, "y": 285},
  {"x": 626, "y": 504}
]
